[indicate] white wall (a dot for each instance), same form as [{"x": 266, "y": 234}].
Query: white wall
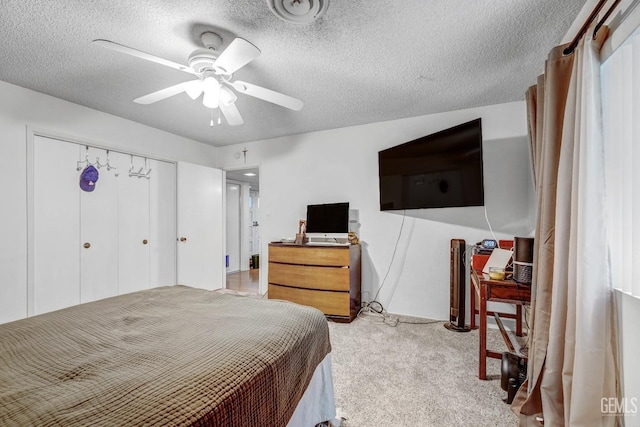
[
  {"x": 342, "y": 165},
  {"x": 23, "y": 110}
]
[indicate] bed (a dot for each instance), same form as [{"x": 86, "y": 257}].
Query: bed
[{"x": 168, "y": 356}]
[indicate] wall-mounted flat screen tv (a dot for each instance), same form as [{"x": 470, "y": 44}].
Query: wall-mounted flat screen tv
[{"x": 440, "y": 170}]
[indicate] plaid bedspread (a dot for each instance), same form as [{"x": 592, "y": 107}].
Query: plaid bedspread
[{"x": 173, "y": 356}]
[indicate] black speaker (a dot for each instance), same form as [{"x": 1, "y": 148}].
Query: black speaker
[
  {"x": 523, "y": 260},
  {"x": 457, "y": 287}
]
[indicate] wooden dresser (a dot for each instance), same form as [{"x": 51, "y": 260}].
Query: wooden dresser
[{"x": 324, "y": 277}]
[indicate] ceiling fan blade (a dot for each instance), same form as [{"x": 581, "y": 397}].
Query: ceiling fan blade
[
  {"x": 143, "y": 55},
  {"x": 231, "y": 114},
  {"x": 268, "y": 95},
  {"x": 238, "y": 54},
  {"x": 163, "y": 93}
]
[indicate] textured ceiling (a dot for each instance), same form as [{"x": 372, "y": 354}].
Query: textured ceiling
[{"x": 363, "y": 61}]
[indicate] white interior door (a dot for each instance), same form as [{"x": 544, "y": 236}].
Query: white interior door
[
  {"x": 162, "y": 224},
  {"x": 201, "y": 231},
  {"x": 254, "y": 212},
  {"x": 55, "y": 280},
  {"x": 99, "y": 234},
  {"x": 245, "y": 227},
  {"x": 233, "y": 226},
  {"x": 133, "y": 232}
]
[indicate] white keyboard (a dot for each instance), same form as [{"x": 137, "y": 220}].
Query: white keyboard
[{"x": 328, "y": 244}]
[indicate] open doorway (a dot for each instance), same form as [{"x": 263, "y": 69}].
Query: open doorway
[{"x": 243, "y": 229}]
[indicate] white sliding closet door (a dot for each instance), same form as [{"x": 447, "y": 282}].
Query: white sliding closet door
[
  {"x": 98, "y": 234},
  {"x": 162, "y": 224},
  {"x": 56, "y": 236},
  {"x": 200, "y": 227},
  {"x": 118, "y": 238},
  {"x": 133, "y": 235}
]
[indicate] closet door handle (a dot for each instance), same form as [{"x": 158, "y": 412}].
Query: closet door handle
[
  {"x": 183, "y": 239},
  {"x": 145, "y": 241},
  {"x": 87, "y": 245}
]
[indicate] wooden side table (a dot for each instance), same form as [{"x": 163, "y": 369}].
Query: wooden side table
[{"x": 506, "y": 291}]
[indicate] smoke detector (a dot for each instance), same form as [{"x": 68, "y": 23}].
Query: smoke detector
[{"x": 298, "y": 11}]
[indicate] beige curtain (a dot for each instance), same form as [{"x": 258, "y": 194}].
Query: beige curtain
[
  {"x": 571, "y": 356},
  {"x": 545, "y": 102}
]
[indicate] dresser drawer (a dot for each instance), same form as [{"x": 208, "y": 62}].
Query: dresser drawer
[
  {"x": 310, "y": 255},
  {"x": 324, "y": 277},
  {"x": 310, "y": 277},
  {"x": 330, "y": 303}
]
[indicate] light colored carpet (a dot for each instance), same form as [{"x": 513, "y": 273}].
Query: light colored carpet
[{"x": 415, "y": 375}]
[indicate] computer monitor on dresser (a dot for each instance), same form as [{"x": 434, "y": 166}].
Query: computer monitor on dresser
[{"x": 328, "y": 222}]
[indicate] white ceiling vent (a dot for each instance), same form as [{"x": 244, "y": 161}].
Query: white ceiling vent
[{"x": 298, "y": 11}]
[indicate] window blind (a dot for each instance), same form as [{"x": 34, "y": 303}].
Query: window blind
[{"x": 620, "y": 76}]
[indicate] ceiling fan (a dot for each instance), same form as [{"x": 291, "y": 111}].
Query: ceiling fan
[{"x": 215, "y": 72}]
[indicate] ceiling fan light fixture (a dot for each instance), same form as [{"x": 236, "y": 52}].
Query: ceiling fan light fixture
[
  {"x": 211, "y": 89},
  {"x": 194, "y": 89},
  {"x": 298, "y": 11},
  {"x": 210, "y": 101},
  {"x": 227, "y": 97}
]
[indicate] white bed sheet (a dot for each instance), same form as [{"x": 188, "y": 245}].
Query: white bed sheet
[{"x": 317, "y": 404}]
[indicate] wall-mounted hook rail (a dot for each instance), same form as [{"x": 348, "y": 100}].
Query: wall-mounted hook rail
[
  {"x": 107, "y": 165},
  {"x": 143, "y": 172},
  {"x": 81, "y": 164}
]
